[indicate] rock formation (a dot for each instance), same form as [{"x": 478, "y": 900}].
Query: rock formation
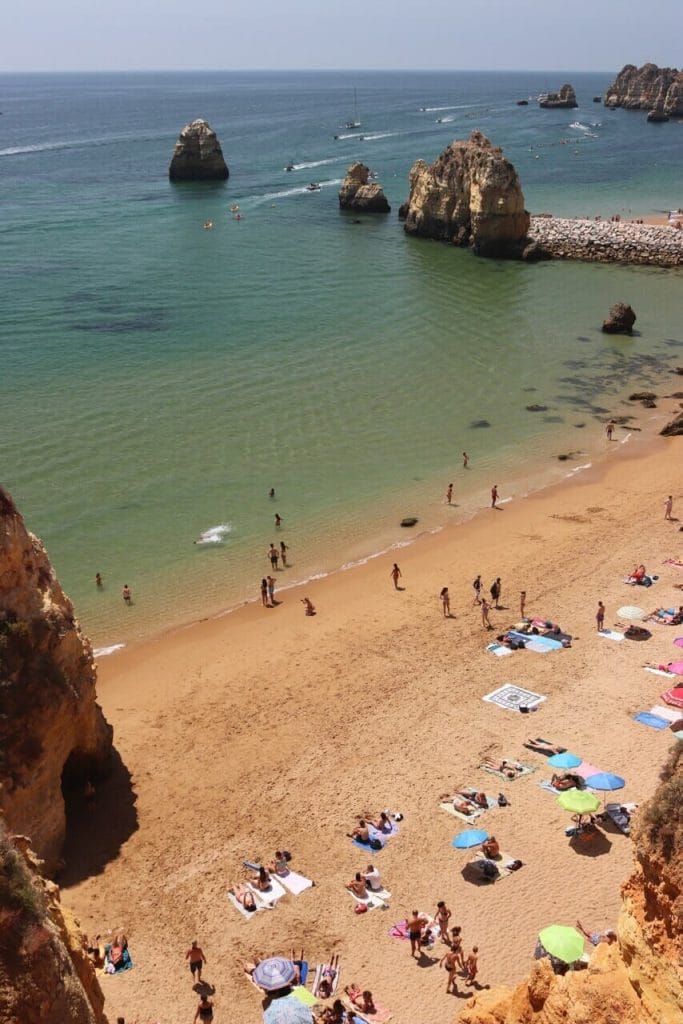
[
  {"x": 636, "y": 980},
  {"x": 647, "y": 88},
  {"x": 198, "y": 155},
  {"x": 620, "y": 320},
  {"x": 46, "y": 976},
  {"x": 52, "y": 731},
  {"x": 674, "y": 428},
  {"x": 359, "y": 193},
  {"x": 470, "y": 195},
  {"x": 565, "y": 99}
]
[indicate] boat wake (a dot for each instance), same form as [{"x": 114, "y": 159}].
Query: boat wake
[
  {"x": 299, "y": 191},
  {"x": 455, "y": 106},
  {"x": 316, "y": 163},
  {"x": 215, "y": 534},
  {"x": 380, "y": 135},
  {"x": 586, "y": 128}
]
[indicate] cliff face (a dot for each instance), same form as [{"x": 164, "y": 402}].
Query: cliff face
[
  {"x": 45, "y": 974},
  {"x": 638, "y": 979},
  {"x": 197, "y": 155},
  {"x": 564, "y": 99},
  {"x": 359, "y": 193},
  {"x": 647, "y": 88},
  {"x": 470, "y": 195},
  {"x": 52, "y": 731}
]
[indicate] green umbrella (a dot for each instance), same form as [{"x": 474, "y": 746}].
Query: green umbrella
[
  {"x": 564, "y": 943},
  {"x": 578, "y": 801}
]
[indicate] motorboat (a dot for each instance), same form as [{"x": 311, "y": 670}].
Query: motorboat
[
  {"x": 314, "y": 187},
  {"x": 290, "y": 166}
]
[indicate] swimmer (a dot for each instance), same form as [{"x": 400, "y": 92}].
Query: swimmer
[
  {"x": 126, "y": 594},
  {"x": 98, "y": 580}
]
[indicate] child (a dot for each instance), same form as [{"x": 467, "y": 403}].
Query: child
[{"x": 471, "y": 965}]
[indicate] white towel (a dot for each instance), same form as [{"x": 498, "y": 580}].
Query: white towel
[
  {"x": 294, "y": 882},
  {"x": 239, "y": 907},
  {"x": 611, "y": 634}
]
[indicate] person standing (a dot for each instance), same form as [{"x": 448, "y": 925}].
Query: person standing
[
  {"x": 522, "y": 603},
  {"x": 283, "y": 553},
  {"x": 476, "y": 586},
  {"x": 204, "y": 1010},
  {"x": 450, "y": 962},
  {"x": 271, "y": 492},
  {"x": 485, "y": 607},
  {"x": 600, "y": 616},
  {"x": 126, "y": 594},
  {"x": 395, "y": 575},
  {"x": 98, "y": 579},
  {"x": 465, "y": 459},
  {"x": 609, "y": 429},
  {"x": 414, "y": 925},
  {"x": 496, "y": 592},
  {"x": 264, "y": 593},
  {"x": 471, "y": 965},
  {"x": 273, "y": 554},
  {"x": 668, "y": 508},
  {"x": 446, "y": 602},
  {"x": 195, "y": 955},
  {"x": 278, "y": 521},
  {"x": 494, "y": 495},
  {"x": 442, "y": 917},
  {"x": 271, "y": 590},
  {"x": 449, "y": 495}
]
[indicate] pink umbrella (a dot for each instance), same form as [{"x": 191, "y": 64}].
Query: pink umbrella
[
  {"x": 677, "y": 667},
  {"x": 674, "y": 697},
  {"x": 678, "y": 642}
]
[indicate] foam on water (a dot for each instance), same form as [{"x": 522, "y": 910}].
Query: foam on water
[
  {"x": 215, "y": 534},
  {"x": 103, "y": 652}
]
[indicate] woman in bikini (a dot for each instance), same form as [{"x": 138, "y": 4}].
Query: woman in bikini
[
  {"x": 363, "y": 1001},
  {"x": 262, "y": 880},
  {"x": 442, "y": 917},
  {"x": 357, "y": 886},
  {"x": 279, "y": 865},
  {"x": 446, "y": 602},
  {"x": 204, "y": 1010},
  {"x": 383, "y": 824},
  {"x": 480, "y": 799},
  {"x": 264, "y": 593},
  {"x": 508, "y": 768},
  {"x": 456, "y": 944},
  {"x": 244, "y": 896}
]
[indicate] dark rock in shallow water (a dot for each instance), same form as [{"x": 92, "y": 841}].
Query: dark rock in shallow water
[
  {"x": 579, "y": 425},
  {"x": 620, "y": 320},
  {"x": 479, "y": 424},
  {"x": 642, "y": 396},
  {"x": 537, "y": 408},
  {"x": 534, "y": 252},
  {"x": 409, "y": 521},
  {"x": 198, "y": 155}
]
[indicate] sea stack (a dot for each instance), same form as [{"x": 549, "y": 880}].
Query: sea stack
[
  {"x": 648, "y": 88},
  {"x": 470, "y": 195},
  {"x": 198, "y": 155},
  {"x": 360, "y": 194},
  {"x": 620, "y": 320},
  {"x": 565, "y": 99}
]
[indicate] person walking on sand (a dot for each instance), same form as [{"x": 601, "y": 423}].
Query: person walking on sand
[
  {"x": 449, "y": 495},
  {"x": 204, "y": 1010},
  {"x": 522, "y": 603},
  {"x": 273, "y": 555},
  {"x": 668, "y": 508},
  {"x": 283, "y": 553},
  {"x": 264, "y": 593},
  {"x": 465, "y": 459},
  {"x": 496, "y": 591},
  {"x": 395, "y": 575},
  {"x": 271, "y": 589},
  {"x": 278, "y": 521},
  {"x": 609, "y": 429},
  {"x": 414, "y": 925},
  {"x": 195, "y": 955},
  {"x": 485, "y": 607},
  {"x": 456, "y": 944},
  {"x": 442, "y": 917},
  {"x": 476, "y": 586},
  {"x": 446, "y": 602},
  {"x": 126, "y": 594},
  {"x": 600, "y": 616},
  {"x": 450, "y": 961},
  {"x": 494, "y": 495},
  {"x": 471, "y": 965}
]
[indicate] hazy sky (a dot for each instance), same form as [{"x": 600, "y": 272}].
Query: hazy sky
[{"x": 65, "y": 35}]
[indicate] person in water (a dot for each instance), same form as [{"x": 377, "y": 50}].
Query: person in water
[
  {"x": 126, "y": 594},
  {"x": 98, "y": 580},
  {"x": 283, "y": 553}
]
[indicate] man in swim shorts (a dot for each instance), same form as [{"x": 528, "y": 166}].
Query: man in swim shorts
[{"x": 195, "y": 955}]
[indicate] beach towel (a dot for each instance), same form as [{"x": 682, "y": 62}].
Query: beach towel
[
  {"x": 670, "y": 714},
  {"x": 320, "y": 972},
  {"x": 373, "y": 900},
  {"x": 551, "y": 789},
  {"x": 295, "y": 883},
  {"x": 375, "y": 836},
  {"x": 269, "y": 898},
  {"x": 399, "y": 931},
  {"x": 499, "y": 650},
  {"x": 525, "y": 769},
  {"x": 304, "y": 996},
  {"x": 501, "y": 862},
  {"x": 654, "y": 721},
  {"x": 469, "y": 818},
  {"x": 659, "y": 672},
  {"x": 646, "y": 581},
  {"x": 513, "y": 697},
  {"x": 380, "y": 1015},
  {"x": 611, "y": 634},
  {"x": 535, "y": 642},
  {"x": 242, "y": 910},
  {"x": 303, "y": 969}
]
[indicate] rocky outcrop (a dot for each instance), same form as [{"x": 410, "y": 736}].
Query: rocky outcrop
[
  {"x": 52, "y": 732},
  {"x": 647, "y": 88},
  {"x": 674, "y": 428},
  {"x": 198, "y": 155},
  {"x": 636, "y": 980},
  {"x": 359, "y": 193},
  {"x": 605, "y": 241},
  {"x": 470, "y": 195},
  {"x": 620, "y": 320},
  {"x": 46, "y": 976},
  {"x": 658, "y": 114},
  {"x": 565, "y": 99}
]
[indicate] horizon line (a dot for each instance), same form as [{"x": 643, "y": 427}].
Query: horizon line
[{"x": 298, "y": 71}]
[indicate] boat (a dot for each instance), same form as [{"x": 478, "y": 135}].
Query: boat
[
  {"x": 522, "y": 103},
  {"x": 234, "y": 208},
  {"x": 355, "y": 123},
  {"x": 314, "y": 187},
  {"x": 290, "y": 166}
]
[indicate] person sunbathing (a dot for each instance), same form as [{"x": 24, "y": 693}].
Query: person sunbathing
[
  {"x": 564, "y": 781},
  {"x": 542, "y": 746},
  {"x": 329, "y": 975},
  {"x": 491, "y": 848},
  {"x": 472, "y": 795},
  {"x": 665, "y": 615},
  {"x": 360, "y": 832},
  {"x": 511, "y": 769},
  {"x": 262, "y": 880},
  {"x": 244, "y": 896},
  {"x": 363, "y": 1001},
  {"x": 383, "y": 824},
  {"x": 358, "y": 886},
  {"x": 638, "y": 574},
  {"x": 335, "y": 1014},
  {"x": 462, "y": 806}
]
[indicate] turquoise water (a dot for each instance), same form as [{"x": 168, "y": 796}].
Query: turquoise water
[{"x": 158, "y": 379}]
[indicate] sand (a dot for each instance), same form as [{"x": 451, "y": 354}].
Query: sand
[{"x": 267, "y": 729}]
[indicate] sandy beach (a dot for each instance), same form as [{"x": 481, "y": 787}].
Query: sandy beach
[{"x": 267, "y": 729}]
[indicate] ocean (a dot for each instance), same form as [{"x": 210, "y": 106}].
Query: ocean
[{"x": 158, "y": 379}]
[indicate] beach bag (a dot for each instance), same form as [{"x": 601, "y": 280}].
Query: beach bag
[
  {"x": 375, "y": 844},
  {"x": 361, "y": 908}
]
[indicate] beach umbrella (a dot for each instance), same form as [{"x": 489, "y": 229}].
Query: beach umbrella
[
  {"x": 470, "y": 837},
  {"x": 273, "y": 973},
  {"x": 676, "y": 667},
  {"x": 633, "y": 614},
  {"x": 606, "y": 781},
  {"x": 565, "y": 760},
  {"x": 578, "y": 801},
  {"x": 566, "y": 944},
  {"x": 674, "y": 697},
  {"x": 678, "y": 642}
]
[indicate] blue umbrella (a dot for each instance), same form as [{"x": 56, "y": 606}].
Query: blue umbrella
[
  {"x": 276, "y": 972},
  {"x": 470, "y": 837},
  {"x": 605, "y": 780},
  {"x": 565, "y": 760}
]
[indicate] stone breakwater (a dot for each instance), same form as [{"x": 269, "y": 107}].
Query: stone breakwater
[{"x": 608, "y": 241}]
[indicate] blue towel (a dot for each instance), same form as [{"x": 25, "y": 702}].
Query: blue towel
[
  {"x": 366, "y": 846},
  {"x": 654, "y": 721}
]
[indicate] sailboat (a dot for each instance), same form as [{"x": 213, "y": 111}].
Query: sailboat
[{"x": 355, "y": 123}]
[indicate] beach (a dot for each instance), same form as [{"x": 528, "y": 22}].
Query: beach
[{"x": 267, "y": 729}]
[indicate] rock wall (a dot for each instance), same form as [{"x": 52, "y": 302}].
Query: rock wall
[
  {"x": 606, "y": 241},
  {"x": 51, "y": 728},
  {"x": 359, "y": 193},
  {"x": 45, "y": 975},
  {"x": 197, "y": 155},
  {"x": 637, "y": 980},
  {"x": 470, "y": 195},
  {"x": 647, "y": 88}
]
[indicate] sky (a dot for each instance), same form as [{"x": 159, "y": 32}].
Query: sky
[{"x": 127, "y": 35}]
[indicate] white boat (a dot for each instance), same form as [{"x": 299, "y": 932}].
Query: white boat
[
  {"x": 355, "y": 123},
  {"x": 314, "y": 187},
  {"x": 290, "y": 166}
]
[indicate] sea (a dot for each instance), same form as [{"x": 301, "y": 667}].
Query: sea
[{"x": 158, "y": 379}]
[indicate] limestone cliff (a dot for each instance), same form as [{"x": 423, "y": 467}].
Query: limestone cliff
[
  {"x": 197, "y": 155},
  {"x": 45, "y": 974},
  {"x": 359, "y": 193},
  {"x": 52, "y": 731},
  {"x": 470, "y": 195},
  {"x": 638, "y": 980},
  {"x": 647, "y": 88},
  {"x": 565, "y": 99}
]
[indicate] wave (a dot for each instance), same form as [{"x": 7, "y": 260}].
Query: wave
[
  {"x": 102, "y": 652},
  {"x": 379, "y": 135},
  {"x": 215, "y": 534}
]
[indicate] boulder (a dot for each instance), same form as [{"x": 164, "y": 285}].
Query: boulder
[
  {"x": 359, "y": 193},
  {"x": 197, "y": 155},
  {"x": 674, "y": 428},
  {"x": 642, "y": 396},
  {"x": 470, "y": 195},
  {"x": 409, "y": 521},
  {"x": 620, "y": 320},
  {"x": 647, "y": 88},
  {"x": 658, "y": 114},
  {"x": 479, "y": 424},
  {"x": 565, "y": 99},
  {"x": 537, "y": 408}
]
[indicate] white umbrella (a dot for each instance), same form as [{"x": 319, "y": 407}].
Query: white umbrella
[{"x": 633, "y": 614}]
